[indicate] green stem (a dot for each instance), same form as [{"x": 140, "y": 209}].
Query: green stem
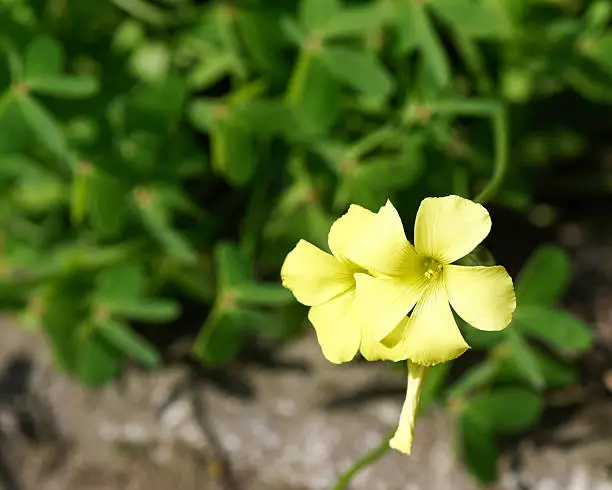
[
  {"x": 500, "y": 129},
  {"x": 373, "y": 140},
  {"x": 298, "y": 78},
  {"x": 367, "y": 460},
  {"x": 474, "y": 62}
]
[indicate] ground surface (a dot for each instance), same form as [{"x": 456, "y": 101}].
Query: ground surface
[{"x": 297, "y": 433}]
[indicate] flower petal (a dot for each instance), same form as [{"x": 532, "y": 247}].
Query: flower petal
[
  {"x": 448, "y": 228},
  {"x": 384, "y": 302},
  {"x": 402, "y": 440},
  {"x": 482, "y": 296},
  {"x": 349, "y": 229},
  {"x": 337, "y": 328},
  {"x": 314, "y": 276},
  {"x": 383, "y": 248},
  {"x": 373, "y": 350},
  {"x": 432, "y": 335}
]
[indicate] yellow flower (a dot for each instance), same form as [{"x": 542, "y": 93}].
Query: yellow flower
[
  {"x": 362, "y": 293},
  {"x": 423, "y": 280},
  {"x": 326, "y": 283}
]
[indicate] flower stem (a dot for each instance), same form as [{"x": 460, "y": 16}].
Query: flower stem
[
  {"x": 500, "y": 129},
  {"x": 416, "y": 376},
  {"x": 365, "y": 461}
]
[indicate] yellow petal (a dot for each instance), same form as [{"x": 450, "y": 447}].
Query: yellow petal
[
  {"x": 383, "y": 248},
  {"x": 349, "y": 229},
  {"x": 482, "y": 296},
  {"x": 384, "y": 302},
  {"x": 432, "y": 335},
  {"x": 314, "y": 276},
  {"x": 448, "y": 228},
  {"x": 374, "y": 350},
  {"x": 402, "y": 440},
  {"x": 337, "y": 330}
]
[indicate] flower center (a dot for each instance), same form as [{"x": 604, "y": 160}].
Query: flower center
[{"x": 432, "y": 268}]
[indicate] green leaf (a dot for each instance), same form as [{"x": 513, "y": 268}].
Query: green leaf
[
  {"x": 65, "y": 86},
  {"x": 202, "y": 112},
  {"x": 144, "y": 11},
  {"x": 40, "y": 192},
  {"x": 262, "y": 39},
  {"x": 558, "y": 328},
  {"x": 482, "y": 19},
  {"x": 264, "y": 322},
  {"x": 131, "y": 344},
  {"x": 292, "y": 31},
  {"x": 221, "y": 337},
  {"x": 128, "y": 35},
  {"x": 146, "y": 310},
  {"x": 232, "y": 268},
  {"x": 151, "y": 62},
  {"x": 98, "y": 362},
  {"x": 354, "y": 21},
  {"x": 434, "y": 383},
  {"x": 15, "y": 63},
  {"x": 481, "y": 339},
  {"x": 43, "y": 125},
  {"x": 14, "y": 130},
  {"x": 171, "y": 241},
  {"x": 209, "y": 70},
  {"x": 474, "y": 379},
  {"x": 263, "y": 294},
  {"x": 162, "y": 101},
  {"x": 61, "y": 318},
  {"x": 315, "y": 13},
  {"x": 196, "y": 281},
  {"x": 43, "y": 58},
  {"x": 106, "y": 203},
  {"x": 506, "y": 410},
  {"x": 478, "y": 448},
  {"x": 557, "y": 374},
  {"x": 122, "y": 282},
  {"x": 471, "y": 107},
  {"x": 263, "y": 117},
  {"x": 374, "y": 179},
  {"x": 597, "y": 15},
  {"x": 429, "y": 43},
  {"x": 545, "y": 277},
  {"x": 525, "y": 358},
  {"x": 406, "y": 38},
  {"x": 315, "y": 94},
  {"x": 234, "y": 153},
  {"x": 74, "y": 257},
  {"x": 600, "y": 52},
  {"x": 358, "y": 69}
]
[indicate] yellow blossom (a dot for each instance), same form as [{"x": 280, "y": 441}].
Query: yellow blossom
[
  {"x": 326, "y": 283},
  {"x": 379, "y": 294},
  {"x": 422, "y": 281}
]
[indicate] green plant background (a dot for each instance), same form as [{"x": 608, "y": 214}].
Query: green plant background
[{"x": 158, "y": 154}]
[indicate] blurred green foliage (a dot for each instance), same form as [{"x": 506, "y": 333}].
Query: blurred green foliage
[
  {"x": 502, "y": 394},
  {"x": 158, "y": 152}
]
